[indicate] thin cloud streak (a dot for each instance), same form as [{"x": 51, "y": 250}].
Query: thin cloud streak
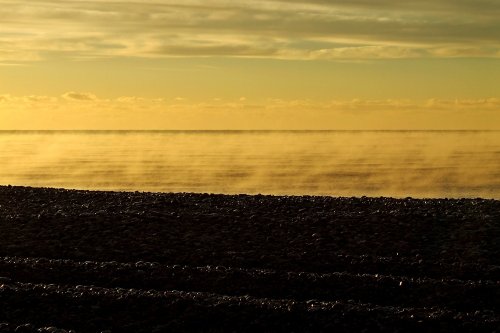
[
  {"x": 361, "y": 105},
  {"x": 338, "y": 29}
]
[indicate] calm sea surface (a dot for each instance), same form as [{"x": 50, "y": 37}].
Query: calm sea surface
[{"x": 339, "y": 163}]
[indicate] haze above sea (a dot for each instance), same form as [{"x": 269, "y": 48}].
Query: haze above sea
[{"x": 338, "y": 163}]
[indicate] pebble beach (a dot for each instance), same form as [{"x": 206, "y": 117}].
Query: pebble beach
[{"x": 95, "y": 261}]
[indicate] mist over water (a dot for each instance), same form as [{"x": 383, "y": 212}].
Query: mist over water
[{"x": 338, "y": 163}]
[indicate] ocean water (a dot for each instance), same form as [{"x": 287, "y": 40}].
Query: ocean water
[{"x": 338, "y": 163}]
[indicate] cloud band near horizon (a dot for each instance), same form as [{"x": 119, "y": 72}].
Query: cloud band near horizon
[{"x": 81, "y": 110}]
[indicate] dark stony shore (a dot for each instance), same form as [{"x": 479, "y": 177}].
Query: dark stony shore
[{"x": 88, "y": 261}]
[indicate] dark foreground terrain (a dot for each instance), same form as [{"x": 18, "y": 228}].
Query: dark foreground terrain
[{"x": 140, "y": 262}]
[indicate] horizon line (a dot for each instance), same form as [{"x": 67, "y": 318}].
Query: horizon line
[{"x": 249, "y": 130}]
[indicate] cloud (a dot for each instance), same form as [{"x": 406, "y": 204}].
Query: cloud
[
  {"x": 75, "y": 96},
  {"x": 369, "y": 52},
  {"x": 5, "y": 98},
  {"x": 134, "y": 112},
  {"x": 327, "y": 29},
  {"x": 79, "y": 99},
  {"x": 40, "y": 99},
  {"x": 461, "y": 104}
]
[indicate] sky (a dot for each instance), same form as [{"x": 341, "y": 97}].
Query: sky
[{"x": 249, "y": 64}]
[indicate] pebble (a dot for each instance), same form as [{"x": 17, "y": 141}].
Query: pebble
[{"x": 5, "y": 280}]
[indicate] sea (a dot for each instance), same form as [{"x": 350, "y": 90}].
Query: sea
[{"x": 420, "y": 164}]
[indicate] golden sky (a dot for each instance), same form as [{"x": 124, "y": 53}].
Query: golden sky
[{"x": 250, "y": 64}]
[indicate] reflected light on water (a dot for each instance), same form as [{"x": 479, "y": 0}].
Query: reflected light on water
[{"x": 339, "y": 163}]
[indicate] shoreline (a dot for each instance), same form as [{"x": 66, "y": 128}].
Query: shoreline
[
  {"x": 148, "y": 261},
  {"x": 146, "y": 192}
]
